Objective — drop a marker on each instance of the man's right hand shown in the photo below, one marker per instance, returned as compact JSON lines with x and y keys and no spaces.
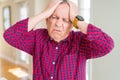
{"x":33,"y":21}
{"x":51,"y":8}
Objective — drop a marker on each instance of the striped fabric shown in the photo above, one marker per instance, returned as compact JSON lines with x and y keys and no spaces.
{"x":59,"y":61}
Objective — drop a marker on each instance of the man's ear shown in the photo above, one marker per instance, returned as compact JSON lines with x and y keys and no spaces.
{"x":46,"y":20}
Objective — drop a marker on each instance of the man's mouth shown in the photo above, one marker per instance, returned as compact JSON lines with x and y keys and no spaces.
{"x":57,"y":30}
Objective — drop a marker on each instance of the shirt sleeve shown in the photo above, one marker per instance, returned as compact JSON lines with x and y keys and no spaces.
{"x":18,"y":36}
{"x":96,"y":43}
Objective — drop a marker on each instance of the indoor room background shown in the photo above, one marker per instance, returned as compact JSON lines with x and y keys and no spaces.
{"x":17,"y":65}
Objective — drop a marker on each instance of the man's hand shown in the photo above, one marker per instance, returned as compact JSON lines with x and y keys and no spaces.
{"x":51,"y":8}
{"x":73,"y":10}
{"x":82,"y":25}
{"x":33,"y":21}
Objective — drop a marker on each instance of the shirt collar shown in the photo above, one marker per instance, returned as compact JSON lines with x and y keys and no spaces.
{"x":68,"y":39}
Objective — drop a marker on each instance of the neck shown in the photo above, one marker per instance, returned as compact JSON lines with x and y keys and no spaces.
{"x":59,"y":39}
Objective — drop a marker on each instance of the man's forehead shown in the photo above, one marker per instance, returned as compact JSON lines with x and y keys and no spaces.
{"x":62,"y":9}
{"x":63,"y":6}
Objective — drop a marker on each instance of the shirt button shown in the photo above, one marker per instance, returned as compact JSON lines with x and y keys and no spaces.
{"x":56,"y":47}
{"x":51,"y":77}
{"x":53,"y":63}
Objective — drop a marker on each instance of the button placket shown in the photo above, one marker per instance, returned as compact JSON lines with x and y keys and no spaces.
{"x":54,"y":62}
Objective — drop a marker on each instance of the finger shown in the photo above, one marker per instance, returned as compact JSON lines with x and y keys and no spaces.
{"x":51,"y":7}
{"x":55,"y":2}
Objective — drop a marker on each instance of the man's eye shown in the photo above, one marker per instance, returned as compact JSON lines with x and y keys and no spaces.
{"x":66,"y":20}
{"x":54,"y":17}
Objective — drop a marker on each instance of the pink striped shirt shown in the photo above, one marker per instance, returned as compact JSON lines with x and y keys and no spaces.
{"x":59,"y":61}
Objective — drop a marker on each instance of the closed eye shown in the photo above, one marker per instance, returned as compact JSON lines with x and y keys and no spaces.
{"x":66,"y":20}
{"x":54,"y":17}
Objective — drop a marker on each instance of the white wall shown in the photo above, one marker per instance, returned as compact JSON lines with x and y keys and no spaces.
{"x":106,"y":15}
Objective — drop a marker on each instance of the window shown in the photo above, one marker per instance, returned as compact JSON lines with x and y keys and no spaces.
{"x":85,"y":9}
{"x":23,"y":12}
{"x":6,"y":17}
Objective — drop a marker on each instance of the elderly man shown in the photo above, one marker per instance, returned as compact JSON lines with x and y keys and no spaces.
{"x":58,"y":52}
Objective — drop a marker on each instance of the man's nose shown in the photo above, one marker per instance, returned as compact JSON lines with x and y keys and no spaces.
{"x":59,"y":23}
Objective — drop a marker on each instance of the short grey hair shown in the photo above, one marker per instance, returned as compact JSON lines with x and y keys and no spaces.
{"x":64,"y":0}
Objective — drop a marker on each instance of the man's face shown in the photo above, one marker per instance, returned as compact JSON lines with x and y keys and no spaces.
{"x":59,"y":25}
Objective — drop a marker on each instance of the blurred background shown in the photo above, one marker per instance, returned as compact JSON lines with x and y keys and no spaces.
{"x":17,"y":65}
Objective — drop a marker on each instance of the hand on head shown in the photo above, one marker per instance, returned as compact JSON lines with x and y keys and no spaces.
{"x":73,"y":10}
{"x":51,"y":8}
{"x":53,"y":5}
